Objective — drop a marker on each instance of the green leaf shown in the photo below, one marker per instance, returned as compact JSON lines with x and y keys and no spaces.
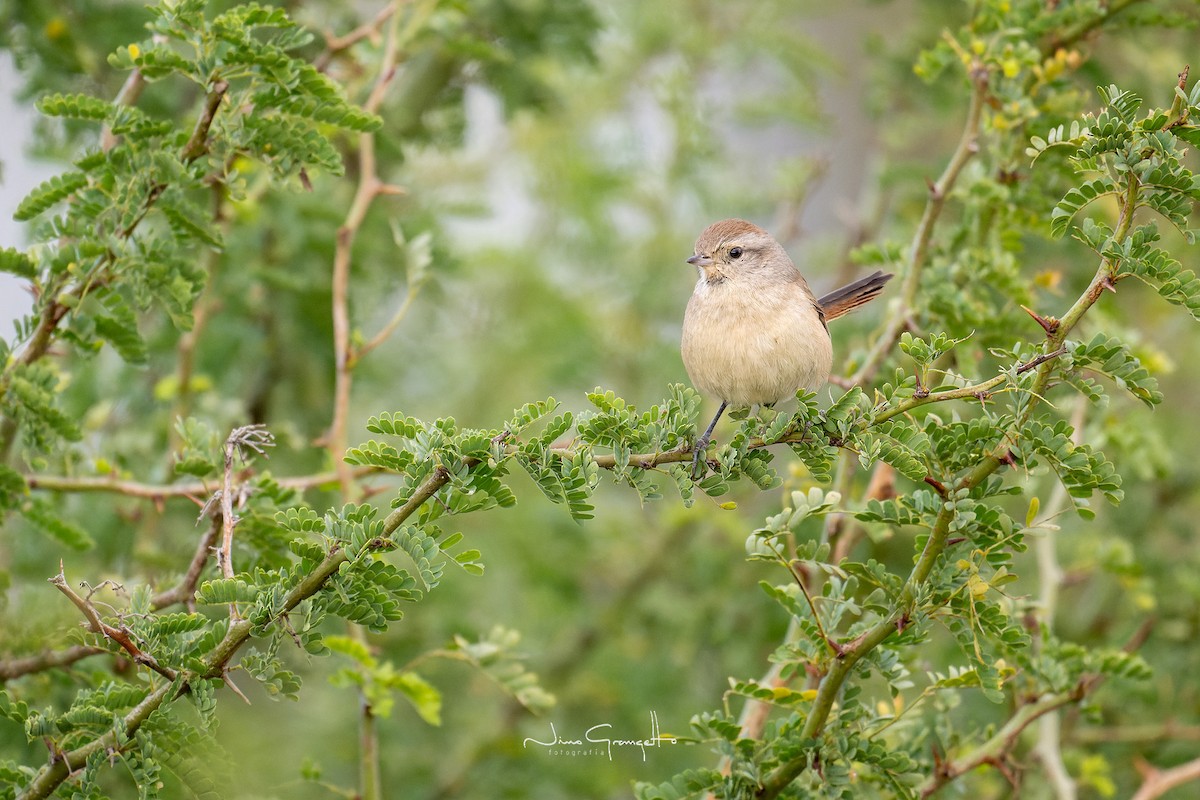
{"x":423,"y":695}
{"x":49,"y":193}
{"x":223,"y":591}
{"x":1110,"y":357}
{"x":117,"y":325}
{"x":1074,"y":200}
{"x":495,"y":656}
{"x":15,"y":262}
{"x":47,"y":520}
{"x":75,"y":106}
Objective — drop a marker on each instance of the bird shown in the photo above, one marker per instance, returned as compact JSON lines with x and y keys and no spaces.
{"x":753,"y":332}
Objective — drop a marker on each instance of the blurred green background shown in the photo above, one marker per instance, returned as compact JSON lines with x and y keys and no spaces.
{"x":557,"y":169}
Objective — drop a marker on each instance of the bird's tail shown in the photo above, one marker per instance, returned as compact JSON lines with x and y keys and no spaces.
{"x":846,"y":299}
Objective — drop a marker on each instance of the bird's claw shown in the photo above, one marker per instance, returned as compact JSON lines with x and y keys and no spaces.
{"x":699,"y":462}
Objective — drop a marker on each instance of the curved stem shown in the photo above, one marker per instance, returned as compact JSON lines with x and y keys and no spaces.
{"x":903,"y":309}
{"x":905,"y":606}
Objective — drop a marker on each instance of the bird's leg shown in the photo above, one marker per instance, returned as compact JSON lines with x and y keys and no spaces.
{"x":702,"y":443}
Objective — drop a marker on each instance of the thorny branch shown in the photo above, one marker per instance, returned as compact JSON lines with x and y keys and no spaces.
{"x":96,"y":625}
{"x":248,"y":438}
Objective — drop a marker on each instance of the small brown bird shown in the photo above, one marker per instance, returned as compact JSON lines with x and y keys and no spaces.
{"x":754,"y":333}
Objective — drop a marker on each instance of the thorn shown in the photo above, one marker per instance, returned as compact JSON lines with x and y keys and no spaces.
{"x":953,"y":540}
{"x":233,"y":686}
{"x":390,"y":189}
{"x":921,"y":391}
{"x":1183,"y":76}
{"x":1049,"y":324}
{"x":1007,"y":458}
{"x":934,"y":191}
{"x":1107,"y":283}
{"x":938,"y":486}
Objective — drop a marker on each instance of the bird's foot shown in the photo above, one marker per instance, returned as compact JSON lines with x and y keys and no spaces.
{"x":699,"y":463}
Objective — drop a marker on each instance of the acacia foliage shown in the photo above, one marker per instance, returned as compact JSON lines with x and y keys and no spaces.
{"x":960,"y":408}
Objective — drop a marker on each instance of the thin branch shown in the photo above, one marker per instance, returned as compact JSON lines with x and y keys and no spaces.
{"x":369,"y":187}
{"x":14,"y":668}
{"x":387,"y":330}
{"x":1050,"y":576}
{"x":131,"y":90}
{"x":197,"y":143}
{"x":1158,"y":782}
{"x":159,"y":492}
{"x":118,"y":635}
{"x":1073,"y":35}
{"x":240,"y":440}
{"x":184,"y":592}
{"x":906,"y":606}
{"x":1138,"y":734}
{"x":904,"y":308}
{"x":336,"y":45}
{"x":1002,"y":743}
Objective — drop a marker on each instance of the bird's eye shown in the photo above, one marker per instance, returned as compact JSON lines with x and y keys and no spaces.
{"x":735,"y":252}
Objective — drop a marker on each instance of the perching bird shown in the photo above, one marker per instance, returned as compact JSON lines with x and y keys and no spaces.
{"x":754,"y":333}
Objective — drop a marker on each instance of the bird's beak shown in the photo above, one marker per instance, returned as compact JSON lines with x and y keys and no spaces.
{"x":700,"y":261}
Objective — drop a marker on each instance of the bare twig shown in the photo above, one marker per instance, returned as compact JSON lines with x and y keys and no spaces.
{"x":1156,"y":782}
{"x":159,"y":492}
{"x":184,"y":592}
{"x":369,"y":187}
{"x":1050,"y":575}
{"x":335,"y":45}
{"x":97,"y":625}
{"x":387,"y":330}
{"x":131,"y":90}
{"x":1140,"y":734}
{"x":241,"y":440}
{"x":902,"y":310}
{"x":999,"y":745}
{"x":26,"y":665}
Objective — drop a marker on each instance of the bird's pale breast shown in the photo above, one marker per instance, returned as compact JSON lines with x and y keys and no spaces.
{"x":753,"y":348}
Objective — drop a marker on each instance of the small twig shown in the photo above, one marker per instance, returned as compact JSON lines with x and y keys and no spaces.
{"x":131,"y":90}
{"x":1042,"y":359}
{"x":901,"y":311}
{"x":234,"y":687}
{"x":1050,"y":577}
{"x":160,"y":492}
{"x":370,"y":186}
{"x":999,"y":745}
{"x":830,"y":642}
{"x":184,"y":592}
{"x":254,"y":438}
{"x":1138,"y":734}
{"x":197,"y":143}
{"x":335,"y":45}
{"x":938,"y":486}
{"x":97,"y":625}
{"x":387,"y":330}
{"x":27,"y":665}
{"x":1156,"y":782}
{"x":1179,"y":112}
